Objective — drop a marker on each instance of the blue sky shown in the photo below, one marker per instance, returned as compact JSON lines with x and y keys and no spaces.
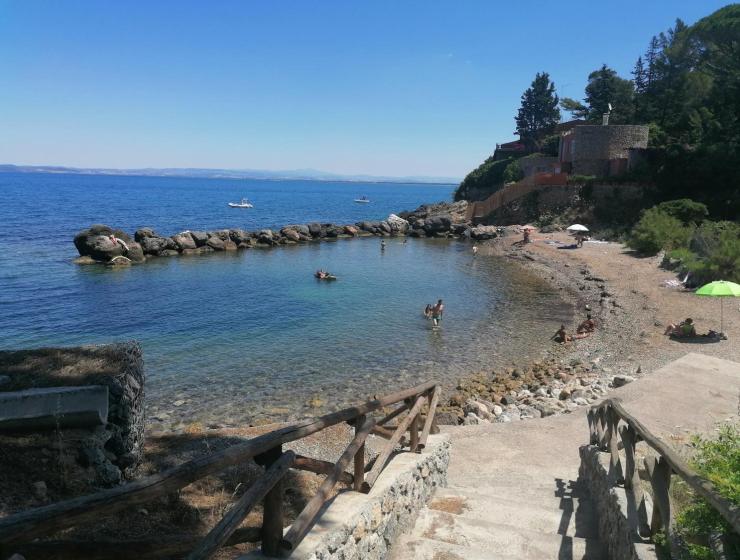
{"x":381,"y":87}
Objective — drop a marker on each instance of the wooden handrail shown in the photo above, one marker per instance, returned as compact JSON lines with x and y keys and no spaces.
{"x":704,"y":488}
{"x":38,"y":522}
{"x":231,"y":521}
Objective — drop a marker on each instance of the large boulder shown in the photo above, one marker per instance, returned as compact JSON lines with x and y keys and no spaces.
{"x":238,"y":236}
{"x":397,"y":224}
{"x":102,"y":243}
{"x":154,"y":245}
{"x":135,"y":252}
{"x":143,"y":233}
{"x":351,"y":230}
{"x":291,"y":234}
{"x":483,"y":232}
{"x":300,"y":228}
{"x":314,"y":229}
{"x":184,"y":241}
{"x":438,"y":224}
{"x":215,"y":243}
{"x":200,"y":238}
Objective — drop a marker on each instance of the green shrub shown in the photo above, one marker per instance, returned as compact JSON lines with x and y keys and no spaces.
{"x":488,"y":177}
{"x":513,"y":172}
{"x":685,"y":209}
{"x":717,"y":460}
{"x":657,"y":230}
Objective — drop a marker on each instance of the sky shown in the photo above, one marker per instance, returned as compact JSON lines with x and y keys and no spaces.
{"x":374,"y":87}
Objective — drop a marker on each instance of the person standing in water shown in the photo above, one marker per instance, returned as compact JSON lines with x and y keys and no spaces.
{"x":475,"y":249}
{"x":437,"y":311}
{"x":382,"y":245}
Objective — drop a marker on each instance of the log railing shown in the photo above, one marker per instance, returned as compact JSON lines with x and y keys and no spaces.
{"x":617,"y":432}
{"x":417,"y":407}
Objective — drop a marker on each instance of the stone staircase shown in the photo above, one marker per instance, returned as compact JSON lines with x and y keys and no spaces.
{"x":513,"y":489}
{"x":533,"y":508}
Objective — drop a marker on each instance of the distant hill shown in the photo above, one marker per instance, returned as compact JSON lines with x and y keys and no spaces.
{"x":294,"y":174}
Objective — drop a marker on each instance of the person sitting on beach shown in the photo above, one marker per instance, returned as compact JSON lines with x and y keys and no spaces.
{"x":437,"y":311}
{"x":684,"y":329}
{"x":587,"y":326}
{"x":428,"y":311}
{"x":561,"y":336}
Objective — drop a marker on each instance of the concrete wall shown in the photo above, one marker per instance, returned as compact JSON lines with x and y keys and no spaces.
{"x":617,"y":528}
{"x":359,"y":526}
{"x":593,"y":146}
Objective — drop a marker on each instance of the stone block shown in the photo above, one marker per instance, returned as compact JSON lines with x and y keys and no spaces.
{"x":35,"y":410}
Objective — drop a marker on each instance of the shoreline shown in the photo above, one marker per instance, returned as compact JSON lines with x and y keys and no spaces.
{"x":631,"y":309}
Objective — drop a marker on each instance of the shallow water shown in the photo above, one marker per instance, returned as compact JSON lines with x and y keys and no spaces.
{"x":252,"y":336}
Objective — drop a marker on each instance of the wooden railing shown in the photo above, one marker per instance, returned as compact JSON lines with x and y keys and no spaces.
{"x":418,"y":403}
{"x":612,"y":429}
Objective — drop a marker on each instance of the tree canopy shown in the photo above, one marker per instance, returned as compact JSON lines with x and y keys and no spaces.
{"x":539,"y":112}
{"x":604,"y":88}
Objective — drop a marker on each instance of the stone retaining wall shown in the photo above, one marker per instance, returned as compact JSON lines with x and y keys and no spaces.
{"x":617,"y":529}
{"x":358,"y":526}
{"x":112,"y":450}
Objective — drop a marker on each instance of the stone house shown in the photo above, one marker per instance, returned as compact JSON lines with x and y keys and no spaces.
{"x":601,"y":150}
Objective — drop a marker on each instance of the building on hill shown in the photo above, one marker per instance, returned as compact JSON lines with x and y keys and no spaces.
{"x":601,"y":150}
{"x":515,"y":148}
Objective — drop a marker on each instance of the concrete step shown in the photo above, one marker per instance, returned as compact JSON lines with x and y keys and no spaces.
{"x":419,"y":548}
{"x":549,"y":494}
{"x":504,"y":539}
{"x":573,"y":517}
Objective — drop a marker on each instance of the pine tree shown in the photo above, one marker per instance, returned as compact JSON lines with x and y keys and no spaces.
{"x":539,"y":112}
{"x":639,"y":76}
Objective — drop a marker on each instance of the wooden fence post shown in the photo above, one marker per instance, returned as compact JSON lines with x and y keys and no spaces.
{"x":359,"y":466}
{"x":272,"y":518}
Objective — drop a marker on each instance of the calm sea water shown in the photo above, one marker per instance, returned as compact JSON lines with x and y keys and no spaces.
{"x":252,"y":336}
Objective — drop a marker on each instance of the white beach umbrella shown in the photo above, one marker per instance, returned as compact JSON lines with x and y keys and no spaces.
{"x":577,"y":227}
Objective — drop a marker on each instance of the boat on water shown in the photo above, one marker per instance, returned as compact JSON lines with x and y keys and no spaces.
{"x":362,"y":200}
{"x":244,"y":203}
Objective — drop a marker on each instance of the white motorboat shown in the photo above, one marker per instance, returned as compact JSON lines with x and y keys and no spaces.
{"x":362,"y":200}
{"x":244,"y":203}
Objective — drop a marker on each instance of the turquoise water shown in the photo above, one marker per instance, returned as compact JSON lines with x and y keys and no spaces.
{"x":252,"y":336}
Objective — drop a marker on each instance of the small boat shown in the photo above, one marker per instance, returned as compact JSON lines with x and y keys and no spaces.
{"x":362,"y":200}
{"x":244,"y":203}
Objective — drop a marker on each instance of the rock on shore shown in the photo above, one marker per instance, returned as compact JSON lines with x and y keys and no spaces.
{"x":104,"y":244}
{"x":542,"y":389}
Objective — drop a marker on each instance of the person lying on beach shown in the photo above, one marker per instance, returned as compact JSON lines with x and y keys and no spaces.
{"x":561,"y":336}
{"x":587,"y":326}
{"x":684,"y":329}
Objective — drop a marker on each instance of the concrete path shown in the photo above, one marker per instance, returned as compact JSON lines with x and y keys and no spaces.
{"x":513,"y":490}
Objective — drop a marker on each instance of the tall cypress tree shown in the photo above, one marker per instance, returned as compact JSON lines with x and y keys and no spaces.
{"x":539,"y":112}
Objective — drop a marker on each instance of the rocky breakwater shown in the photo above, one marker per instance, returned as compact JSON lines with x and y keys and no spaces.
{"x":545,"y":388}
{"x":113,"y":247}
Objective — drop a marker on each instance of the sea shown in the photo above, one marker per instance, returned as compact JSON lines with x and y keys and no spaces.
{"x":251,"y":337}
